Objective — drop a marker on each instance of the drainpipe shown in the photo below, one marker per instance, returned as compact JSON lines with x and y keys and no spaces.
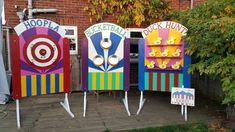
{"x":31,"y":10}
{"x":191,"y":4}
{"x":20,"y":14}
{"x":43,"y":10}
{"x":8,"y":49}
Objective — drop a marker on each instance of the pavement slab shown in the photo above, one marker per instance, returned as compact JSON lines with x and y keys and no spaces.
{"x":105,"y":112}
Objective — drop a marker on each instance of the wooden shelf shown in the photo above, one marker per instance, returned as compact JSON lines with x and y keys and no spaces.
{"x":161,"y":45}
{"x":161,"y":57}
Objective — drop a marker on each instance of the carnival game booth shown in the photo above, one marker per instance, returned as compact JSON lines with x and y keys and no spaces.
{"x":162,"y":60}
{"x":105,"y":60}
{"x":40,"y":61}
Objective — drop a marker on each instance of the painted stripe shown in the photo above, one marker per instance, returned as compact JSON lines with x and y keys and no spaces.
{"x":102,"y":81}
{"x":163,"y":82}
{"x":84,"y":64}
{"x":171,"y":81}
{"x":90,"y":81}
{"x":150,"y":81}
{"x":39,"y":85}
{"x":176,"y":76}
{"x":96,"y":38}
{"x":127,"y":64}
{"x":43,"y":82}
{"x":178,"y":37}
{"x":48,"y":81}
{"x":106,"y":81}
{"x":181,"y":80}
{"x":116,"y":41}
{"x":146,"y":79}
{"x":61,"y":82}
{"x":118,"y":81}
{"x":186,"y":75}
{"x":28,"y":85}
{"x":93,"y":81}
{"x":52,"y":81}
{"x":113,"y":80}
{"x":16,"y":68}
{"x":57,"y":81}
{"x":158,"y":81}
{"x":97,"y":80}
{"x":109,"y":81}
{"x":33,"y":85}
{"x":66,"y":65}
{"x":121,"y":84}
{"x":141,"y":67}
{"x":167,"y":82}
{"x":154,"y":81}
{"x":150,"y":40}
{"x":23,"y":86}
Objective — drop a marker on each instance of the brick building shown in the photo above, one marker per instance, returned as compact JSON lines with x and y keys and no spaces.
{"x":71,"y":13}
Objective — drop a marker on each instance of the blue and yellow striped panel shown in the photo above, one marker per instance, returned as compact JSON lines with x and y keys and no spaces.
{"x":33,"y":85}
{"x":105,"y":81}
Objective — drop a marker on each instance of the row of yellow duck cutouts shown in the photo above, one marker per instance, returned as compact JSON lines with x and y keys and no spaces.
{"x":175,"y":66}
{"x":154,"y":53}
{"x":170,"y":41}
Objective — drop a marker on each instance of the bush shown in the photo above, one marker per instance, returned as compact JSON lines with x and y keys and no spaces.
{"x":211,"y":39}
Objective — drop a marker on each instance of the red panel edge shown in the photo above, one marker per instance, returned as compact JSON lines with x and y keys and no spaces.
{"x":158,"y":81}
{"x":66,"y":65}
{"x":176,"y":80}
{"x":15,"y":61}
{"x":150,"y":81}
{"x":167,"y":82}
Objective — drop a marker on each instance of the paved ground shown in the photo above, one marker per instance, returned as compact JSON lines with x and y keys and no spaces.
{"x":45,"y":114}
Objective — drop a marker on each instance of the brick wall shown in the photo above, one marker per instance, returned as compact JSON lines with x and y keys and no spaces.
{"x":183,"y":4}
{"x":71,"y":13}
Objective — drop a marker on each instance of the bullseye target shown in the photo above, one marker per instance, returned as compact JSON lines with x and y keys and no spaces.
{"x":42,"y":52}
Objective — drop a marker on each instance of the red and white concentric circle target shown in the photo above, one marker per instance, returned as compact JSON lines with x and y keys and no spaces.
{"x":42,"y":52}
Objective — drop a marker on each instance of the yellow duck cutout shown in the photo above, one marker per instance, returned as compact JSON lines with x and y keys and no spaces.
{"x":164,"y":53}
{"x":152,"y":53}
{"x":176,"y":53}
{"x":171,"y":40}
{"x":151,"y":64}
{"x":163,"y":65}
{"x":158,"y":41}
{"x":176,"y":65}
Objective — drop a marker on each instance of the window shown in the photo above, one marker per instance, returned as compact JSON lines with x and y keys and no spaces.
{"x":71,"y":34}
{"x":134,"y":34}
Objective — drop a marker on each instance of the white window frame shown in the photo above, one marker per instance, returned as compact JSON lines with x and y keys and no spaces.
{"x":129,"y":30}
{"x":74,"y":36}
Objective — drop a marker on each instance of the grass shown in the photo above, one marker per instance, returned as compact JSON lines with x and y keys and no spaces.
{"x":194,"y":127}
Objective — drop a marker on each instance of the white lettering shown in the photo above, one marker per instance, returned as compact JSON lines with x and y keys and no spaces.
{"x":104,"y":27}
{"x":41,"y":23}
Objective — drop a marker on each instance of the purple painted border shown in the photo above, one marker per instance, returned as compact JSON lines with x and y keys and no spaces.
{"x":84,"y":64}
{"x":126,"y":64}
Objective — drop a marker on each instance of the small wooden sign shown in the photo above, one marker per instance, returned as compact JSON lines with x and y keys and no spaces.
{"x":183,"y":96}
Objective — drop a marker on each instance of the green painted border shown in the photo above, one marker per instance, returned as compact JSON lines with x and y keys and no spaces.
{"x":105,"y":81}
{"x":121,"y":81}
{"x":146,"y":81}
{"x":172,"y":77}
{"x":90,"y":81}
{"x":163,"y":81}
{"x":181,"y":79}
{"x":113,"y":81}
{"x":154,"y":81}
